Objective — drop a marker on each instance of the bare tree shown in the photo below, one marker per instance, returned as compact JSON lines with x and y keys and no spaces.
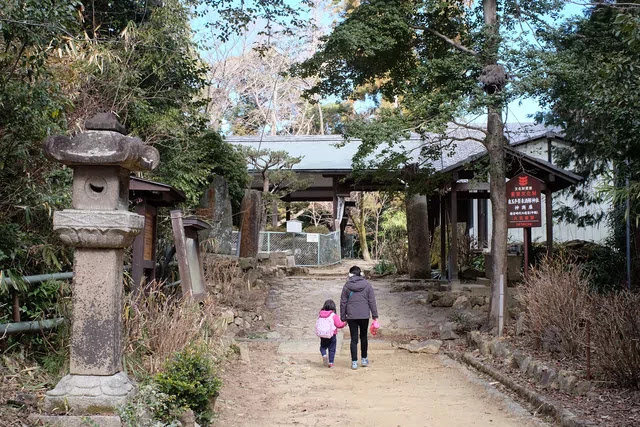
{"x":250,"y":88}
{"x":376,"y":202}
{"x":319,"y":213}
{"x":278,"y":177}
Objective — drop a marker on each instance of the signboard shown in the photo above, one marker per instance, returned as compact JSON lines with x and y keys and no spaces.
{"x":294,"y":226}
{"x":524,"y":205}
{"x":313,"y":238}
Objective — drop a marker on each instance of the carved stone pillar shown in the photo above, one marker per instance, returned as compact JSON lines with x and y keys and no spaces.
{"x":99,"y":226}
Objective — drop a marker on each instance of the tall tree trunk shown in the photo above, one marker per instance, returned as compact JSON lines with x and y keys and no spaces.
{"x":495,"y":143}
{"x":498,"y":188}
{"x":360,"y":225}
{"x":265,"y":202}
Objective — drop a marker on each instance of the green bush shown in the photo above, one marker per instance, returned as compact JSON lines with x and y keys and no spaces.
{"x":190,"y":378}
{"x":384,"y":267}
{"x":321,"y":229}
{"x":149,"y":408}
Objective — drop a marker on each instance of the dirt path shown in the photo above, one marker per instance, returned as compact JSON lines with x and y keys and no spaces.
{"x":284,"y":382}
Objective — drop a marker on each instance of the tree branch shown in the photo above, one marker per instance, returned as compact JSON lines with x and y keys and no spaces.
{"x":452,"y":42}
{"x":470,"y":127}
{"x":464,"y":139}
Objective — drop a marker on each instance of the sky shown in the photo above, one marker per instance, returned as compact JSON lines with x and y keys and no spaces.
{"x":520,"y":110}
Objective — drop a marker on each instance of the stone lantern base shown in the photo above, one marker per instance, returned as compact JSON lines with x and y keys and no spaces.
{"x":90,"y":394}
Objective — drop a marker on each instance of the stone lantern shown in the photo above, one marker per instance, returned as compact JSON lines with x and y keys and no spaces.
{"x":99,"y":227}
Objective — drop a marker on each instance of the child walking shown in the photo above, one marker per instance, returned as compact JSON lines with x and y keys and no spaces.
{"x":327,"y":327}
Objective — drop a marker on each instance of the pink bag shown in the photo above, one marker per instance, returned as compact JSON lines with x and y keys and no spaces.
{"x":374,"y":327}
{"x":325,"y":327}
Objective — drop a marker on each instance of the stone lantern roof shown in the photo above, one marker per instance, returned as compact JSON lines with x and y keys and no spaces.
{"x":104,"y":143}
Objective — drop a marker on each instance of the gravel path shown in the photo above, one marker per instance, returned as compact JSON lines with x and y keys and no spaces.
{"x":284,"y":382}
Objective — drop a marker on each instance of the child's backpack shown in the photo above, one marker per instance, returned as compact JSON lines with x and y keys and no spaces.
{"x":325,"y":327}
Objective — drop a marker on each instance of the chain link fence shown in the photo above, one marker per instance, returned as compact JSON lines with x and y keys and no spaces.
{"x":309,"y":249}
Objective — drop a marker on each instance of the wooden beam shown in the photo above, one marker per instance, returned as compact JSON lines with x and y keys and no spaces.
{"x":473,"y":186}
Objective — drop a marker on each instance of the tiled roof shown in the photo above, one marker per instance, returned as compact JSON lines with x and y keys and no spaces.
{"x":321,"y":152}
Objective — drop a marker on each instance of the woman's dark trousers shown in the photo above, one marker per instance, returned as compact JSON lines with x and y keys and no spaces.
{"x":362,"y":325}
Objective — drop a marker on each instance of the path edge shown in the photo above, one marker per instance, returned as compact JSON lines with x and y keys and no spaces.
{"x":545,"y":405}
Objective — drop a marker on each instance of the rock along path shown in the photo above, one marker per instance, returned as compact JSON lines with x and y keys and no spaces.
{"x":284,"y":383}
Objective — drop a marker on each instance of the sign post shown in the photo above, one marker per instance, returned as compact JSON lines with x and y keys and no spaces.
{"x":524,"y":208}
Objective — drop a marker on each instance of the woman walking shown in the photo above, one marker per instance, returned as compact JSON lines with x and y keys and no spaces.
{"x":357,"y":303}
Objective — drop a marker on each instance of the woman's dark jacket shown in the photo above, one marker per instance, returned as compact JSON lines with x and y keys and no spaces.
{"x":357,"y":299}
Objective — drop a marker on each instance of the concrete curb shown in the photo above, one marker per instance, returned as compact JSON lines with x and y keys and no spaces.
{"x":545,"y":405}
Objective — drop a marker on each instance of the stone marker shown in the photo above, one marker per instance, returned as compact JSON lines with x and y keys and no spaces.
{"x":215,"y":206}
{"x":419,"y":259}
{"x":99,"y":227}
{"x":250,"y":227}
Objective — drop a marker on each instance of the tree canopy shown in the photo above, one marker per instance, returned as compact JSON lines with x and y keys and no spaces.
{"x":442,"y":62}
{"x":63,"y":61}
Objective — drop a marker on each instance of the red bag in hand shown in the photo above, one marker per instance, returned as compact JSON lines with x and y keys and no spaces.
{"x":374,"y":327}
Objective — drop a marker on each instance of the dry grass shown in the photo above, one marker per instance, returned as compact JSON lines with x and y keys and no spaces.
{"x":616,"y":337}
{"x":556,"y":299}
{"x":158,"y":324}
{"x":558,"y":302}
{"x":229,"y":284}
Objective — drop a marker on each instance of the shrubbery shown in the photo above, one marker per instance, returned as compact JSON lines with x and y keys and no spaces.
{"x":188,"y":382}
{"x":190,"y":379}
{"x":556,"y":299}
{"x":150,"y":408}
{"x":384,"y":267}
{"x":615,"y":338}
{"x":395,"y":244}
{"x":558,"y":302}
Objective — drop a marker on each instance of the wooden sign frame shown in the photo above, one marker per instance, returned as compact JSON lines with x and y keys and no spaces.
{"x":524,"y":202}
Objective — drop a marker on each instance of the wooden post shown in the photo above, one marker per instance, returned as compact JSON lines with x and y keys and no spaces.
{"x":454,"y":232}
{"x":288,"y":214}
{"x":549,"y":216}
{"x":443,"y":237}
{"x":274,"y":213}
{"x":143,"y":261}
{"x":527,"y":245}
{"x":137,"y":258}
{"x":335,"y":203}
{"x":482,"y":223}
